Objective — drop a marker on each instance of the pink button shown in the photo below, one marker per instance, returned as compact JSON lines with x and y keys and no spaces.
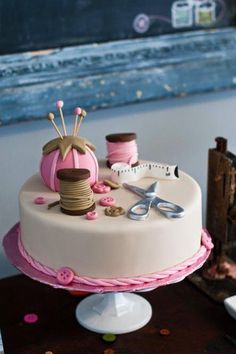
{"x":40,"y":200}
{"x":91,"y":215}
{"x":31,"y":318}
{"x":65,"y":276}
{"x":107,"y":201}
{"x":100,"y":187}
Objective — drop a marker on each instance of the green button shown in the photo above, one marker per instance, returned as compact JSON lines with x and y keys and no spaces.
{"x":109,"y":337}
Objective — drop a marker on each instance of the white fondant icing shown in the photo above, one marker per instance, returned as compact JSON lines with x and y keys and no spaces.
{"x":112,"y":247}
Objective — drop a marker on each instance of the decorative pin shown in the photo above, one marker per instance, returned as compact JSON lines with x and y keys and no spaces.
{"x":59,"y":105}
{"x":81,"y":117}
{"x":51,"y":118}
{"x":77,"y":112}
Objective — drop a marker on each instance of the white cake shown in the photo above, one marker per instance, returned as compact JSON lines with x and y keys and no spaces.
{"x":111,"y":247}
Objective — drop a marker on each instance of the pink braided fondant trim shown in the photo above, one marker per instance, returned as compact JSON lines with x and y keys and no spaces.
{"x":170,"y":272}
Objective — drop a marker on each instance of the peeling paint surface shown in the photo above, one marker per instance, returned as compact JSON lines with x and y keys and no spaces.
{"x":139,"y":93}
{"x":116,"y":73}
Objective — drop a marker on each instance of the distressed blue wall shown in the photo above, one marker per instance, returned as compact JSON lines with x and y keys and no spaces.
{"x":116,"y":73}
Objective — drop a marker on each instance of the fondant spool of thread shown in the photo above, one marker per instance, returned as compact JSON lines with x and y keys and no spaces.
{"x":122,"y":147}
{"x":76,"y":196}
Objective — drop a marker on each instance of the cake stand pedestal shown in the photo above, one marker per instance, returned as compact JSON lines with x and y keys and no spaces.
{"x":112,"y":308}
{"x":113,"y":312}
{"x":117,"y":312}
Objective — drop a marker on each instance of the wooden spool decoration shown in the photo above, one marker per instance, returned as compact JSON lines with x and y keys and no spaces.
{"x":76,"y":196}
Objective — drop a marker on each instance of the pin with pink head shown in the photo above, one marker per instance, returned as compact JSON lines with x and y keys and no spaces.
{"x":81,"y":113}
{"x":77,"y":112}
{"x":59,"y":105}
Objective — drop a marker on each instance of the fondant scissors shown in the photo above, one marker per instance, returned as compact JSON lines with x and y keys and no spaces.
{"x":140,"y":210}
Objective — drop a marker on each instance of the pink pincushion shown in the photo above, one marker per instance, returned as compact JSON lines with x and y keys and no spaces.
{"x":53,"y":162}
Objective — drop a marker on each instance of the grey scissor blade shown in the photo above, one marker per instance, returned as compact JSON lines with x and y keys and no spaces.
{"x":151,"y":191}
{"x":136,"y":190}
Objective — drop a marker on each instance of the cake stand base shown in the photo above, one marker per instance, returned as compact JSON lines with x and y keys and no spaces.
{"x":113,"y":312}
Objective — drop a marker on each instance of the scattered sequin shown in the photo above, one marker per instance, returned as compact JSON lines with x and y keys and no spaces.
{"x":31,"y":318}
{"x":164,"y":332}
{"x":109,"y":351}
{"x":109,"y":337}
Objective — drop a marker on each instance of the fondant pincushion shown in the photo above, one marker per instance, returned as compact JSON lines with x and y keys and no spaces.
{"x":67,"y":151}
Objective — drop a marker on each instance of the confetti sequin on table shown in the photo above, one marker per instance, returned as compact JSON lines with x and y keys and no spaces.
{"x":164,"y":332}
{"x":109,"y":337}
{"x":31,"y":318}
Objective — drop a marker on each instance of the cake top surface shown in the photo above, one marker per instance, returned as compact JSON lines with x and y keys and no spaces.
{"x":183,"y":191}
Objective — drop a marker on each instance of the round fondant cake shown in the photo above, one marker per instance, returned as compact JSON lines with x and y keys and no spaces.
{"x":62,"y":235}
{"x":110,"y":247}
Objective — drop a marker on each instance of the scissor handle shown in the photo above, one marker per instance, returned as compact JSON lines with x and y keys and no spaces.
{"x":140,"y":210}
{"x":168,"y":209}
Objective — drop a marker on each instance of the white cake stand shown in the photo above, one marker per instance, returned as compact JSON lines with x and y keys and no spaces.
{"x":113,"y":312}
{"x":112,"y":309}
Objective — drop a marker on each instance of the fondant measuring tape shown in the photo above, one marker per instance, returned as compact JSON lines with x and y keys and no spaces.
{"x":122,"y":172}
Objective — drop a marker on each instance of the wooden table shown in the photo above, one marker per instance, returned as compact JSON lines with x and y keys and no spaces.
{"x":197,"y":324}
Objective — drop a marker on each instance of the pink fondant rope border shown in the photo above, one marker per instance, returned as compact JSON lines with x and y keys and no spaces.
{"x":202,"y":254}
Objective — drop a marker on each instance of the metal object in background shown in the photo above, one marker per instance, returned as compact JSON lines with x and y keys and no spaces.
{"x":221,"y":209}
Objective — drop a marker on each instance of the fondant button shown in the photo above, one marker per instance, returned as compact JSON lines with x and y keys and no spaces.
{"x":91,"y":215}
{"x":107,"y":201}
{"x":65,"y":276}
{"x":40,"y":200}
{"x":100,"y":187}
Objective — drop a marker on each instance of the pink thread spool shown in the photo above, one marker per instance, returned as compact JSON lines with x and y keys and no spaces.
{"x":122,"y":147}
